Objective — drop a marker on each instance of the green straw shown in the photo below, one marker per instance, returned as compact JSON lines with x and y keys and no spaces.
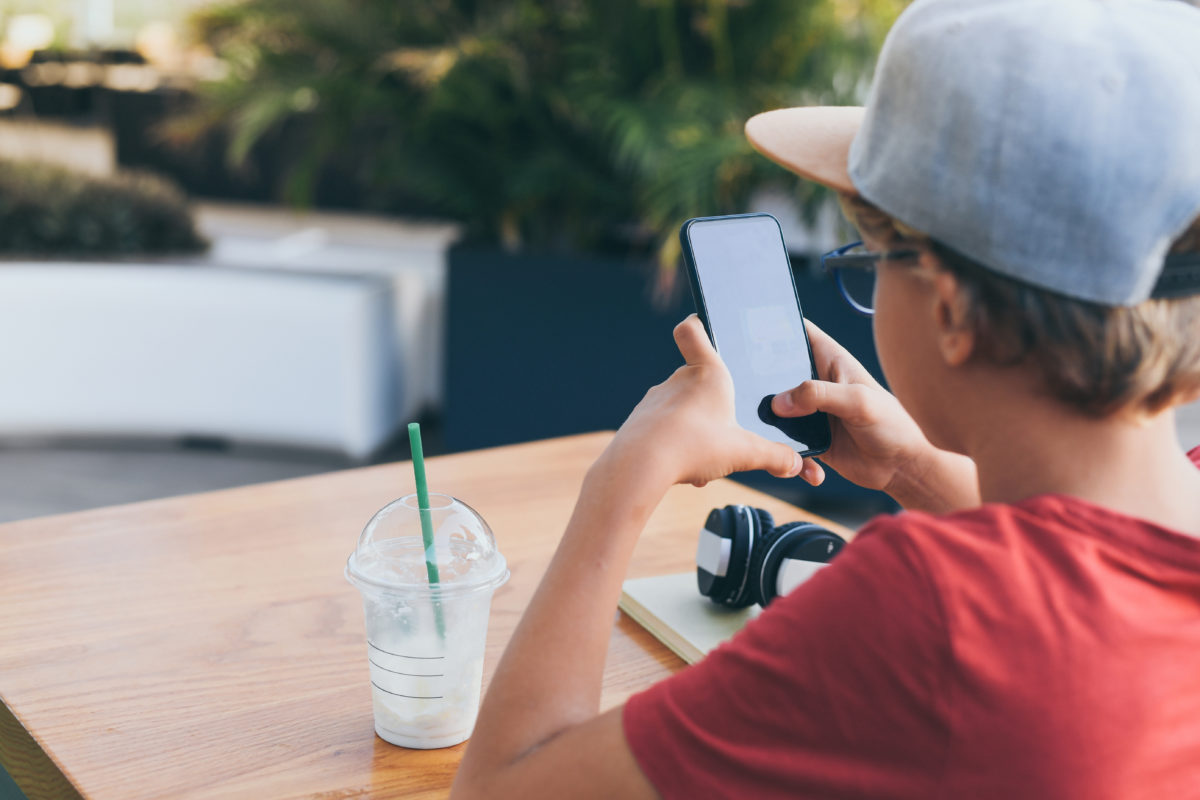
{"x":418,"y":460}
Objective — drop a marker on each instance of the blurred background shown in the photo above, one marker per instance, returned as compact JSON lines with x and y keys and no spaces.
{"x":245,"y":241}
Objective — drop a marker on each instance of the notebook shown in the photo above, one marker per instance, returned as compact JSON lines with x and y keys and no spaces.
{"x":672,"y":609}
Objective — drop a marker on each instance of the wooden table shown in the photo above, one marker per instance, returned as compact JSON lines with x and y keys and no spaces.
{"x":209,"y":646}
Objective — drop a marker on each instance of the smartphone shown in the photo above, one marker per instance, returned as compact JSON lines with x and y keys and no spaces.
{"x":746,"y":297}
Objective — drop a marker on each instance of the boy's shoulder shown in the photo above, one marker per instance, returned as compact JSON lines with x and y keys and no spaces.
{"x":997,"y":548}
{"x":1009,"y":524}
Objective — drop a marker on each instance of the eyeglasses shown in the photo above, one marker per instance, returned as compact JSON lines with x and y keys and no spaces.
{"x":853,"y":268}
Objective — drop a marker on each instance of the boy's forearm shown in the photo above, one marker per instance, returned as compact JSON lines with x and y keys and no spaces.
{"x":550,"y":676}
{"x":937,"y":481}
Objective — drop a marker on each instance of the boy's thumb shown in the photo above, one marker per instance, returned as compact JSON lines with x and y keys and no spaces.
{"x":778,"y":459}
{"x":845,"y":400}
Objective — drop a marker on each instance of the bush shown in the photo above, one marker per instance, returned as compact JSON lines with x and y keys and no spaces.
{"x":47,"y":210}
{"x":541,"y":123}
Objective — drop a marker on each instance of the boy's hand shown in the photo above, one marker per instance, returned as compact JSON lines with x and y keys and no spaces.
{"x":684,"y":430}
{"x":874,"y":438}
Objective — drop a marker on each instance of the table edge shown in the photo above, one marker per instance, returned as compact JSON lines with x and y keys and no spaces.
{"x":35,"y":772}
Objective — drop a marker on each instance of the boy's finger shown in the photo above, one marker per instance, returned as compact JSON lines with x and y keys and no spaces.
{"x":817,"y":334}
{"x":825,"y":347}
{"x":693,"y":342}
{"x":778,"y":459}
{"x":848,"y":401}
{"x":813,"y":472}
{"x":830,"y":354}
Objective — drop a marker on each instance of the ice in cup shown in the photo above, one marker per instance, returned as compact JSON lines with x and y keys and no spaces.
{"x":425,"y":641}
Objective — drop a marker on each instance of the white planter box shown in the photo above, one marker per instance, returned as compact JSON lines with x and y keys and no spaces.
{"x":273,"y":357}
{"x":409,"y":253}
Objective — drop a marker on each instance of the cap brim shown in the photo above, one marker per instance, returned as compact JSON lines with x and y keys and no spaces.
{"x":812,"y":142}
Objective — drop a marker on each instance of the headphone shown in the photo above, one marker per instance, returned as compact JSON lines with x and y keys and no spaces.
{"x":743,"y":558}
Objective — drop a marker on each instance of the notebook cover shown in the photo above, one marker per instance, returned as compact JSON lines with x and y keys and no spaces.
{"x":673,"y":610}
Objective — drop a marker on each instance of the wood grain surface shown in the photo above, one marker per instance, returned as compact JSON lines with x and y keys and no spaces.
{"x":209,"y":645}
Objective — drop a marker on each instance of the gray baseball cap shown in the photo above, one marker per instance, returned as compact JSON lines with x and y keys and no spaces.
{"x":1055,"y":142}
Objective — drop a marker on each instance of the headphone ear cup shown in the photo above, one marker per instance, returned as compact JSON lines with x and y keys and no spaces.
{"x":755,"y":567}
{"x":755,"y":525}
{"x":731,"y":537}
{"x":798,"y":541}
{"x":740,"y":590}
{"x":721,"y":555}
{"x":764,"y":519}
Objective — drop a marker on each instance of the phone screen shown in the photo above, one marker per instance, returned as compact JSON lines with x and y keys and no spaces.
{"x":746,"y":296}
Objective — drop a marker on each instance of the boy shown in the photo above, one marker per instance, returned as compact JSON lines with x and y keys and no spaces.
{"x":1030,"y":627}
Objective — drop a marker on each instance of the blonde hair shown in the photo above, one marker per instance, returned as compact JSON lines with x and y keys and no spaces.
{"x":1097,"y":359}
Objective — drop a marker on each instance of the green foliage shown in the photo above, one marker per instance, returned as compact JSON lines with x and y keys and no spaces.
{"x":47,"y":210}
{"x":537,"y":122}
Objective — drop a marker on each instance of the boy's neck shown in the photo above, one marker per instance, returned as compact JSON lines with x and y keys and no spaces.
{"x":1026,"y":445}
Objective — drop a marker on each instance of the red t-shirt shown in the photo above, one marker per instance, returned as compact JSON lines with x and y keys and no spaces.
{"x":1047,"y":649}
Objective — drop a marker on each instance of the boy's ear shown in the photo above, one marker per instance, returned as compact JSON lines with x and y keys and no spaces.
{"x":953,"y":328}
{"x":1188,"y":397}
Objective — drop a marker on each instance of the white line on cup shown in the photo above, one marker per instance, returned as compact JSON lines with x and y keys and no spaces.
{"x":408,"y":674}
{"x":409,"y":696}
{"x":401,"y":655}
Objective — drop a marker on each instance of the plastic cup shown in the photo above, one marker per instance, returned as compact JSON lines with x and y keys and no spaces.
{"x":425,"y":642}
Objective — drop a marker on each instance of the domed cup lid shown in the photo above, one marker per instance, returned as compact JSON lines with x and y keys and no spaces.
{"x":391,"y":556}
